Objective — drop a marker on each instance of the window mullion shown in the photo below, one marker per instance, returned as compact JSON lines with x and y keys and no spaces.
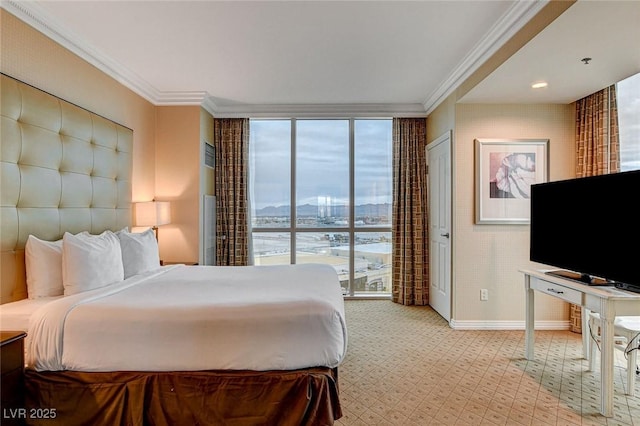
{"x":352,"y":214}
{"x":371,"y":259}
{"x":293,"y":222}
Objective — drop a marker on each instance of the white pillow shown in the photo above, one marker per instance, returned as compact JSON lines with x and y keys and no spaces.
{"x":139,"y":252}
{"x":90,"y":261}
{"x":43,"y":262}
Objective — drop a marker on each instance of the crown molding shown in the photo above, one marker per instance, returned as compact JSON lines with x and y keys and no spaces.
{"x":180,"y":98}
{"x":320,"y":110}
{"x":35,"y":16}
{"x":209,"y":105}
{"x":509,"y":24}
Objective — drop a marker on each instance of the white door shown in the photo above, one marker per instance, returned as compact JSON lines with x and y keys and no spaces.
{"x":439,"y":157}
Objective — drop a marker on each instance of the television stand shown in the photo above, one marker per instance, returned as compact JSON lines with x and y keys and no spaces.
{"x":575,"y":276}
{"x":608,"y":301}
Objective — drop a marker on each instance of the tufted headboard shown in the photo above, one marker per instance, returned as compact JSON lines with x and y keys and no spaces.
{"x":62,"y":168}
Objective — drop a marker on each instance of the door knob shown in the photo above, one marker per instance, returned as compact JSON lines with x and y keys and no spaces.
{"x":446,"y":235}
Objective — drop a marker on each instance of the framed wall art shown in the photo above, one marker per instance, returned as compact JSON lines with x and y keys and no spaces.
{"x":505,"y":171}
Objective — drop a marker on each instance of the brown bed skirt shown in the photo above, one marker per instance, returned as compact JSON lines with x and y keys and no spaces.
{"x":300,"y":397}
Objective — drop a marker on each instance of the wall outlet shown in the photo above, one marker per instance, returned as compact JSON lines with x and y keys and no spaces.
{"x":484,"y":294}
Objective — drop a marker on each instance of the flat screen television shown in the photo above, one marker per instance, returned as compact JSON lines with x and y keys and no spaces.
{"x":589,"y":228}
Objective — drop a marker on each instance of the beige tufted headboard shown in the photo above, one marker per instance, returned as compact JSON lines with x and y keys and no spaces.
{"x":62,"y":168}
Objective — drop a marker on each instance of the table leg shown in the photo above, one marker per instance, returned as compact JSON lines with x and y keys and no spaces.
{"x":631,"y":366}
{"x":607,"y":316}
{"x":529,"y":321}
{"x":586,"y":335}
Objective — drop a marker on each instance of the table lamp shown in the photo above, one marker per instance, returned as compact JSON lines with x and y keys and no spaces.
{"x":153,"y":214}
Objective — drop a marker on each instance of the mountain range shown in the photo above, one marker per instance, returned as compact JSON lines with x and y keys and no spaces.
{"x":310,"y":210}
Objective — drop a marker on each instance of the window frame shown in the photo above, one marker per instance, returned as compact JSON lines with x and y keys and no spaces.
{"x":351,"y":229}
{"x":628,"y":161}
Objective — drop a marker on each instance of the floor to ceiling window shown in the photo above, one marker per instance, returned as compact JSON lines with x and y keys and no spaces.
{"x":320,"y":192}
{"x":628,"y":91}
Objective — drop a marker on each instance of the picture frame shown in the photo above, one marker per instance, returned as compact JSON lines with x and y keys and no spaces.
{"x":505,"y":171}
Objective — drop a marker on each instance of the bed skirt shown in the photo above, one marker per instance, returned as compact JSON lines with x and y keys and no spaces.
{"x":299,"y":397}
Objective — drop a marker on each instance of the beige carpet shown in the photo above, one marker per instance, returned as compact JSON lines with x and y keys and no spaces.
{"x":405,"y":366}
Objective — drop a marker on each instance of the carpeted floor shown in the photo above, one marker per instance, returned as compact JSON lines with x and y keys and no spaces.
{"x":405,"y":366}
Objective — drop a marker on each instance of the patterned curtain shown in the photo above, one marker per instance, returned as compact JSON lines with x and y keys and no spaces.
{"x":597,"y":148}
{"x":231,"y":139}
{"x":410,"y":281}
{"x":597,"y":142}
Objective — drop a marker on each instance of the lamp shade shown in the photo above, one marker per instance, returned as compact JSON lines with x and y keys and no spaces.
{"x":152,"y":213}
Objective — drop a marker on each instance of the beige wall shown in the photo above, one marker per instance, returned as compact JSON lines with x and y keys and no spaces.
{"x":489,"y":256}
{"x":442,"y":119}
{"x":166,"y":140}
{"x":178,"y":180}
{"x":28,"y":55}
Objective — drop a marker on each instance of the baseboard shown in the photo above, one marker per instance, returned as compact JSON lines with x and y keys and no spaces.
{"x":507,"y":325}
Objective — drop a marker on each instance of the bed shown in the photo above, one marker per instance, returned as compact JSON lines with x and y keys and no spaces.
{"x":154,"y":345}
{"x":189,"y":345}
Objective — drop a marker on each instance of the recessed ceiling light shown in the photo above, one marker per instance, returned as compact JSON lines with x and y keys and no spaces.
{"x":539,"y":85}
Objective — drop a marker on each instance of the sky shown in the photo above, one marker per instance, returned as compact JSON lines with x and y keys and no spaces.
{"x":322,"y":161}
{"x":628,"y":92}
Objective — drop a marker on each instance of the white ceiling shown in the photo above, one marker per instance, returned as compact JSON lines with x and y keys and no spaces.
{"x":608,"y":32}
{"x":402,"y":56}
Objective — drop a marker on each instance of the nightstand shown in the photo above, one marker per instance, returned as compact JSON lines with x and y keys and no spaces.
{"x":163,"y":263}
{"x":12,"y":366}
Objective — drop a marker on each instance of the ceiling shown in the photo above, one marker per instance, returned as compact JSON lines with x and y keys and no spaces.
{"x":390,"y":56}
{"x":608,"y":32}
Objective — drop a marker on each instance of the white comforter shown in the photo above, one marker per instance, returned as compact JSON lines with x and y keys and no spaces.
{"x":189,"y":318}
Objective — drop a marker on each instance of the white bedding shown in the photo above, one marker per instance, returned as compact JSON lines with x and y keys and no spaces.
{"x":15,"y":316}
{"x":190,"y":318}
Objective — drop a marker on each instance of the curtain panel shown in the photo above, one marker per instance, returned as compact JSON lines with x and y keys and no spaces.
{"x":597,"y":149}
{"x":597,"y":140}
{"x":231,"y":139}
{"x":410,"y":280}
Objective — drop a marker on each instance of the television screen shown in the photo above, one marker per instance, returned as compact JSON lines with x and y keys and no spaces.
{"x":590,"y":226}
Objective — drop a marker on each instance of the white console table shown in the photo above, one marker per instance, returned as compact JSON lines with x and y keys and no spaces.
{"x":608,"y":301}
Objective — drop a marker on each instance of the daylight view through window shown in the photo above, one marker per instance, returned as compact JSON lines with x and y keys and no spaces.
{"x":320,"y":192}
{"x":629,"y":121}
